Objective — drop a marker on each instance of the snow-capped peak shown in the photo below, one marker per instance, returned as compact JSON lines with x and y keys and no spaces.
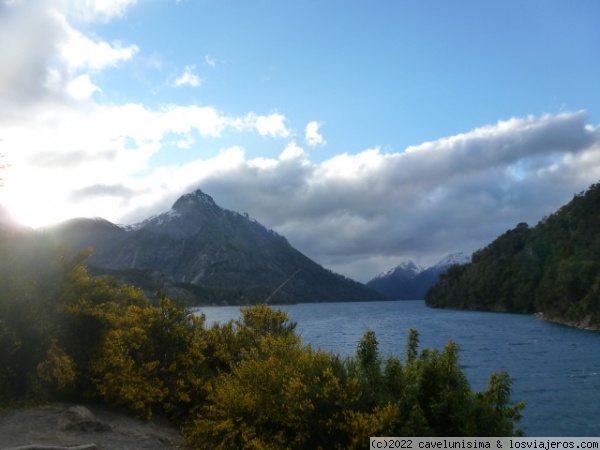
{"x":453,"y":258}
{"x":411,"y":265}
{"x":406,"y":268}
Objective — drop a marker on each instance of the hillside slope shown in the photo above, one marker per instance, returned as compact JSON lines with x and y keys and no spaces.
{"x":552,"y":269}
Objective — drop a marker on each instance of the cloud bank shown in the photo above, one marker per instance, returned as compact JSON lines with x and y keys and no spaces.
{"x":361,"y":213}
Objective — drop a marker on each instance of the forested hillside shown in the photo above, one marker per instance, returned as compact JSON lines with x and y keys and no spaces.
{"x":552,"y":269}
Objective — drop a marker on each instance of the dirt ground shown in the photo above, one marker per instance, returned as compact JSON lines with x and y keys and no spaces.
{"x":62,"y":424}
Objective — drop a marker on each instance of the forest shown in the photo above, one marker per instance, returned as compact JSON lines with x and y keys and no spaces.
{"x":250,"y":383}
{"x":552,"y":269}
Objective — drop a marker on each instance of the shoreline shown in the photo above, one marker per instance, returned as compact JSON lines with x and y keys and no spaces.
{"x":582,"y":325}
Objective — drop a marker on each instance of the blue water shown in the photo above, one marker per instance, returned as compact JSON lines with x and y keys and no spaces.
{"x":556,"y":369}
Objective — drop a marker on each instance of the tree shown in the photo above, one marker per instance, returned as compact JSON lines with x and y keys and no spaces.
{"x":141,"y":357}
{"x":428,"y":395}
{"x":277,"y":393}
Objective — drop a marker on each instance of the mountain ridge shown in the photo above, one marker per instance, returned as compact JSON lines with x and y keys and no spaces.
{"x":405,"y":269}
{"x":199,"y":246}
{"x":410,"y":281}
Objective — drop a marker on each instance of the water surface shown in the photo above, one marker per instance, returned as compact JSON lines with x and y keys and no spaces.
{"x":553,"y":367}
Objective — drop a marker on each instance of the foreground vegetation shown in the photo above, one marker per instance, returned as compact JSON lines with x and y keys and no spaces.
{"x":552,"y":268}
{"x":250,"y":383}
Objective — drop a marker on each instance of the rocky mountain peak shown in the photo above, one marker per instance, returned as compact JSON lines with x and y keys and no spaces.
{"x":198,"y":250}
{"x":192,"y":200}
{"x":412,"y":266}
{"x":406,"y":269}
{"x":186,"y":217}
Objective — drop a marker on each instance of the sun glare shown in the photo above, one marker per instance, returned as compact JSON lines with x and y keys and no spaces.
{"x":38,"y":216}
{"x":34,"y":209}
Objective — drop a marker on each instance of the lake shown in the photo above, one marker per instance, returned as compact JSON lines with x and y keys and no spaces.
{"x":556,"y":369}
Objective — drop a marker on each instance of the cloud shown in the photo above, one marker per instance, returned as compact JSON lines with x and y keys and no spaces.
{"x":186,"y":142}
{"x":67,"y":159}
{"x":272,"y":125}
{"x":29,"y":35}
{"x":80,"y":52}
{"x":210,"y":61}
{"x":188,"y":78}
{"x":89,"y":193}
{"x":82,"y":87}
{"x":312,"y":136}
{"x":293,"y":152}
{"x":46,"y":61}
{"x":358,"y":212}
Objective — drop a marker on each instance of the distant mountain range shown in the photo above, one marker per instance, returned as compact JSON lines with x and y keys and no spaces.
{"x":205,"y":254}
{"x":410,"y":281}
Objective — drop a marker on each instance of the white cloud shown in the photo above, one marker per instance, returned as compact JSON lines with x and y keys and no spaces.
{"x":66,"y":150}
{"x":188,"y":78}
{"x":312,"y":136}
{"x":291,"y":152}
{"x":272,"y":125}
{"x":82,"y":87}
{"x":186,"y":142}
{"x":82,"y":53}
{"x":204,"y":119}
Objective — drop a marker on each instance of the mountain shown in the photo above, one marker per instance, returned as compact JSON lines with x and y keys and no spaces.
{"x":403,"y":271}
{"x":450,"y":260}
{"x":397,"y":283}
{"x":206,"y":254}
{"x":410,"y":281}
{"x":552,"y":269}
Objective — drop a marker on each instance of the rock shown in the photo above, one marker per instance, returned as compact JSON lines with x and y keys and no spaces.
{"x":79,"y":418}
{"x":40,"y":426}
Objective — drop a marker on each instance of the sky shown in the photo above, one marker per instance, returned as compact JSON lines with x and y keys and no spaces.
{"x":366,"y":133}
